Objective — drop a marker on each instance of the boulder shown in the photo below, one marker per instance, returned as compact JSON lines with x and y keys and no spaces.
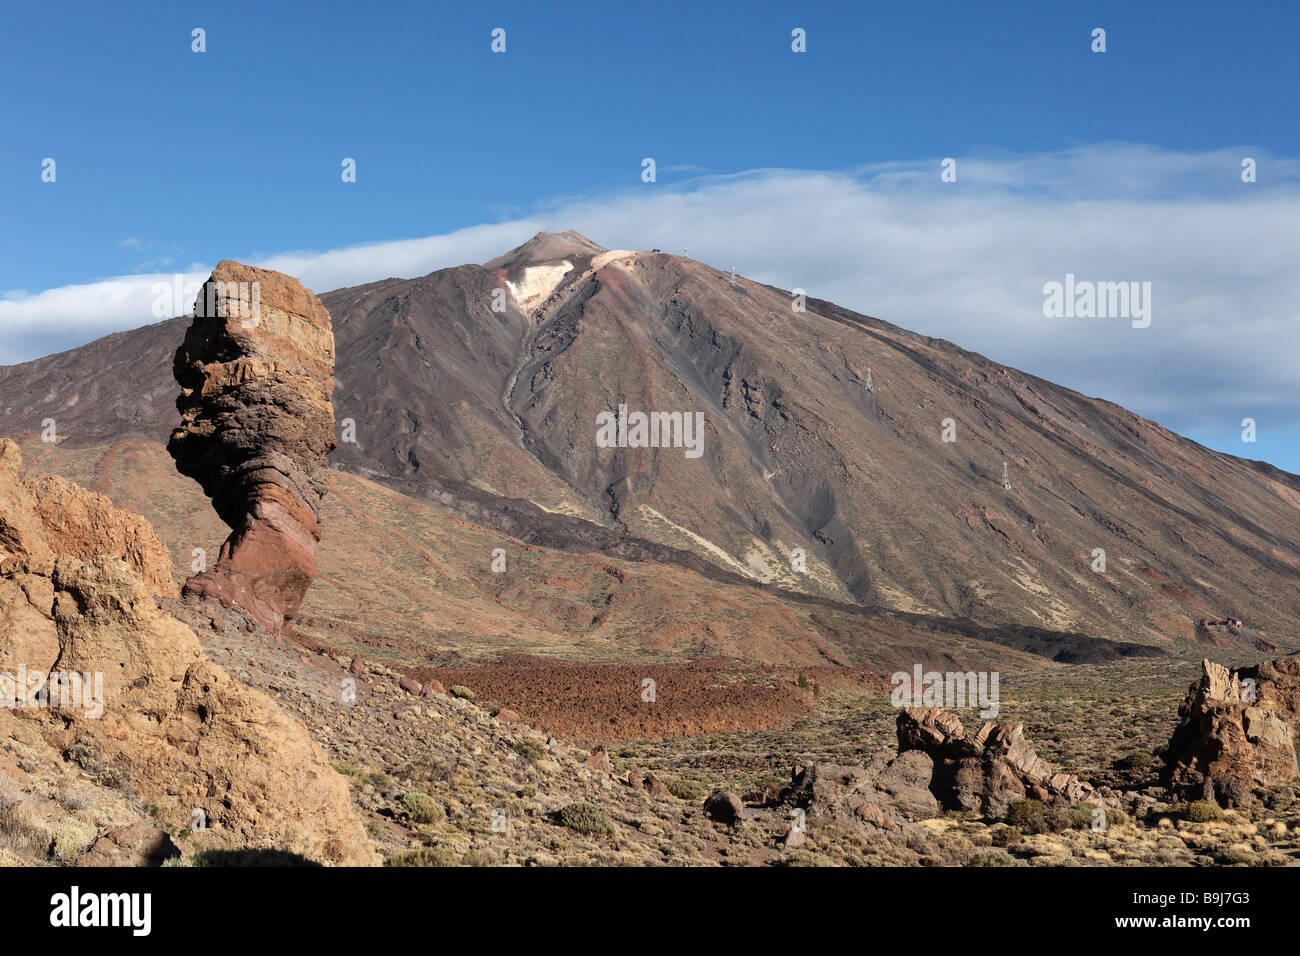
{"x":656,"y":787}
{"x":725,"y":807}
{"x":794,"y":838}
{"x":890,"y":791}
{"x":140,"y":844}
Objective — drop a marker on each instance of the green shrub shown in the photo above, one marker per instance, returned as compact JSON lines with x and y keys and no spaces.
{"x":70,"y":838}
{"x":586,"y":818}
{"x":423,"y":808}
{"x":461,"y":691}
{"x":1202,"y":811}
{"x":425,"y":856}
{"x":1138,"y":760}
{"x":992,"y":858}
{"x":805,"y":858}
{"x":18,"y":832}
{"x":684,"y":788}
{"x":1234,"y":856}
{"x":531,"y":750}
{"x":1027,"y":816}
{"x":1004,"y":836}
{"x":1077,"y":817}
{"x":359,"y":776}
{"x":85,"y":753}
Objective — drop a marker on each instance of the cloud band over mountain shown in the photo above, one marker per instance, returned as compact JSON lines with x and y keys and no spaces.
{"x":966,"y":261}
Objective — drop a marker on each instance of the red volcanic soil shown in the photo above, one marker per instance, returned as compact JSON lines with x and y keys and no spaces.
{"x":604,"y":702}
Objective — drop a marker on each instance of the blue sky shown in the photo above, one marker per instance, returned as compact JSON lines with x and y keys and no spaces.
{"x":168,"y":160}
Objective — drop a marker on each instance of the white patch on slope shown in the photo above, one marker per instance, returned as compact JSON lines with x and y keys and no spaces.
{"x":539,"y":282}
{"x":653,"y":517}
{"x":605,"y":258}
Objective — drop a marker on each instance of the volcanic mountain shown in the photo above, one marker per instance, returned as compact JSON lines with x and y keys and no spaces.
{"x":841,"y":462}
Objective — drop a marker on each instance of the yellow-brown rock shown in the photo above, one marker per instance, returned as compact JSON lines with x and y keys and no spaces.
{"x":191,"y":740}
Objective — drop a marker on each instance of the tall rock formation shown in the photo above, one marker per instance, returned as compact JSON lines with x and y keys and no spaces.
{"x":1236,"y":732}
{"x":256,"y":372}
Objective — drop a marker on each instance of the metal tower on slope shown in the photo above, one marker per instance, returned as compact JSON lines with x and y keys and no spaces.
{"x":1006,"y":479}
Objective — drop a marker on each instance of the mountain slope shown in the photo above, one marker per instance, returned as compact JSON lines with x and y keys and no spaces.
{"x":493,"y":412}
{"x":800,"y":453}
{"x":404,"y":581}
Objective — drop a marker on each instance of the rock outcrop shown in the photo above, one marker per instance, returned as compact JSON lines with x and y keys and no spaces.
{"x":986,"y":772}
{"x":891,"y":791}
{"x":256,"y":375}
{"x":1235,"y":732}
{"x":89,"y":526}
{"x":178,"y":733}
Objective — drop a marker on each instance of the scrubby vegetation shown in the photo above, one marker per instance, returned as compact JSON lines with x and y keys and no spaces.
{"x":586,"y":818}
{"x":422,"y":807}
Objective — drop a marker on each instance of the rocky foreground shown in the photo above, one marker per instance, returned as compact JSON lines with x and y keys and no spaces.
{"x":302,"y":756}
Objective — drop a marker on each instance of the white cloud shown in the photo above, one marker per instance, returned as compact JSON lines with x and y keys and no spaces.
{"x":964,"y":261}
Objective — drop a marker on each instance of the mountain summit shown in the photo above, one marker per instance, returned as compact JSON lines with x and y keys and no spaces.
{"x":547,"y":247}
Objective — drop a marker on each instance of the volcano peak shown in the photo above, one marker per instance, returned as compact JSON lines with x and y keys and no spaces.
{"x":547,"y":247}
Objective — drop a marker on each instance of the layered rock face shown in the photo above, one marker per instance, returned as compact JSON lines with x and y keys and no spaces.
{"x":77,"y":596}
{"x":256,"y":374}
{"x":1235,"y":732}
{"x":986,"y":772}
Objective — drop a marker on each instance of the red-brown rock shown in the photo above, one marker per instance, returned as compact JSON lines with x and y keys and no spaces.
{"x":140,"y":844}
{"x":599,"y":761}
{"x":656,"y":787}
{"x":1236,"y":732}
{"x":256,"y":375}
